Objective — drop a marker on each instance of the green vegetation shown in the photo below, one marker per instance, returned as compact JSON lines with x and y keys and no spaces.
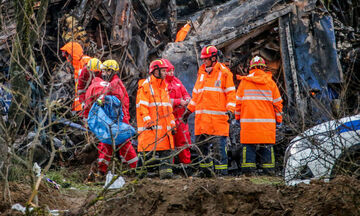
{"x":267,"y":180}
{"x":73,"y":179}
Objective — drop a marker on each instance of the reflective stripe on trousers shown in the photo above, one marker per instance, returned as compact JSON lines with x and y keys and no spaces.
{"x":206,"y":165}
{"x":266,"y":153}
{"x":248,"y":157}
{"x":221,"y":167}
{"x":219,"y":157}
{"x":269,"y":163}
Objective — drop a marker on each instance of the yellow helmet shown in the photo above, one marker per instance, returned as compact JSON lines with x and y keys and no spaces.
{"x":94,"y":65}
{"x":110,"y":64}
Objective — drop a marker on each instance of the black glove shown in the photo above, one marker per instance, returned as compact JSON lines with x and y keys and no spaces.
{"x":185,"y":116}
{"x":231,"y":116}
{"x":173,"y":131}
{"x":152,"y":127}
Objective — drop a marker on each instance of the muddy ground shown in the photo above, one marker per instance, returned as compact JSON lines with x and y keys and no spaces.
{"x":194,"y":196}
{"x":236,"y":196}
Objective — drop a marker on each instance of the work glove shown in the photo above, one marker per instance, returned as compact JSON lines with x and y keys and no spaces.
{"x":100,"y":100}
{"x":231,"y":116}
{"x":278,"y":125}
{"x":152,"y":127}
{"x":185,"y":116}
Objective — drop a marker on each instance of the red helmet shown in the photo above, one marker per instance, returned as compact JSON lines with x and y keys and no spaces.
{"x":208,"y":51}
{"x":171,"y":66}
{"x":257,"y":61}
{"x":157,"y":64}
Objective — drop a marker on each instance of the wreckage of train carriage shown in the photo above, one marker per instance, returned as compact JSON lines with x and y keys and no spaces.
{"x":296,"y":40}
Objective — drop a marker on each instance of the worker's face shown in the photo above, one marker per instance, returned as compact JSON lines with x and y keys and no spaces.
{"x":170,"y":72}
{"x":207,"y":62}
{"x":67,"y":55}
{"x":106,"y":74}
{"x":163,"y":72}
{"x":160,"y":74}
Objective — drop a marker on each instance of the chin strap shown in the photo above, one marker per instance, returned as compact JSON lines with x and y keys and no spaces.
{"x":208,"y":69}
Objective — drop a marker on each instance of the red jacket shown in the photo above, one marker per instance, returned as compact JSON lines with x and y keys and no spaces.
{"x":114,"y":87}
{"x":177,"y":92}
{"x":85,"y":78}
{"x":118,"y":89}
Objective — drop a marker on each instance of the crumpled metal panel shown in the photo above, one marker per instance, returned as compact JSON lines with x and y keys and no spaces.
{"x":315,"y":49}
{"x":232,"y":15}
{"x":308,"y":51}
{"x":317,"y":63}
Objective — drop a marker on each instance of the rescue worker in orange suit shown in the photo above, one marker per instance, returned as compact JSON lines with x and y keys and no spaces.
{"x":182,"y":33}
{"x":110,"y":84}
{"x":179,"y":100}
{"x":259,"y":109}
{"x":88,"y":73}
{"x":213,"y":102}
{"x":74,"y":54}
{"x":155,"y":119}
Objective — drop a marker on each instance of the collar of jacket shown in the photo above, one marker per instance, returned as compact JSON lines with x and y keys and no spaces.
{"x":169,"y":79}
{"x":114,"y":77}
{"x":216,"y":68}
{"x":157,"y":82}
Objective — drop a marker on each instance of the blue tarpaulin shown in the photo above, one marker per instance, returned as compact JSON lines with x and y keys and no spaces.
{"x":5,"y":99}
{"x":106,"y":122}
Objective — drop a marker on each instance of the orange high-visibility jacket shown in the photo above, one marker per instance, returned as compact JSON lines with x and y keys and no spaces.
{"x":212,"y":96}
{"x":259,"y":107}
{"x":181,"y":35}
{"x":78,"y":61}
{"x":153,"y":108}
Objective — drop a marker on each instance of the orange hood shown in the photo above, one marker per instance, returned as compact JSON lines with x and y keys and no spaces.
{"x":256,"y":76}
{"x":74,"y":49}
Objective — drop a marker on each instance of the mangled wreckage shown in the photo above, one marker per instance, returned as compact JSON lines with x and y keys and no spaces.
{"x":296,"y":39}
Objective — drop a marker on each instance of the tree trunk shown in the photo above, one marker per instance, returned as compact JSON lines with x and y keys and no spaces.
{"x":22,"y":64}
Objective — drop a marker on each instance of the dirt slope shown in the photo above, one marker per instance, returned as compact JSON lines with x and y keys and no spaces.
{"x":236,"y":196}
{"x":221,"y":196}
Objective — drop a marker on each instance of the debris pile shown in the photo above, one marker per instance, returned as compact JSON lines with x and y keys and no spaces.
{"x":303,"y":47}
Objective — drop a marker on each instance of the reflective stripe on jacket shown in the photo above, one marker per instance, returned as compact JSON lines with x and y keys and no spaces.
{"x":213,"y":95}
{"x":153,"y":108}
{"x":259,"y":107}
